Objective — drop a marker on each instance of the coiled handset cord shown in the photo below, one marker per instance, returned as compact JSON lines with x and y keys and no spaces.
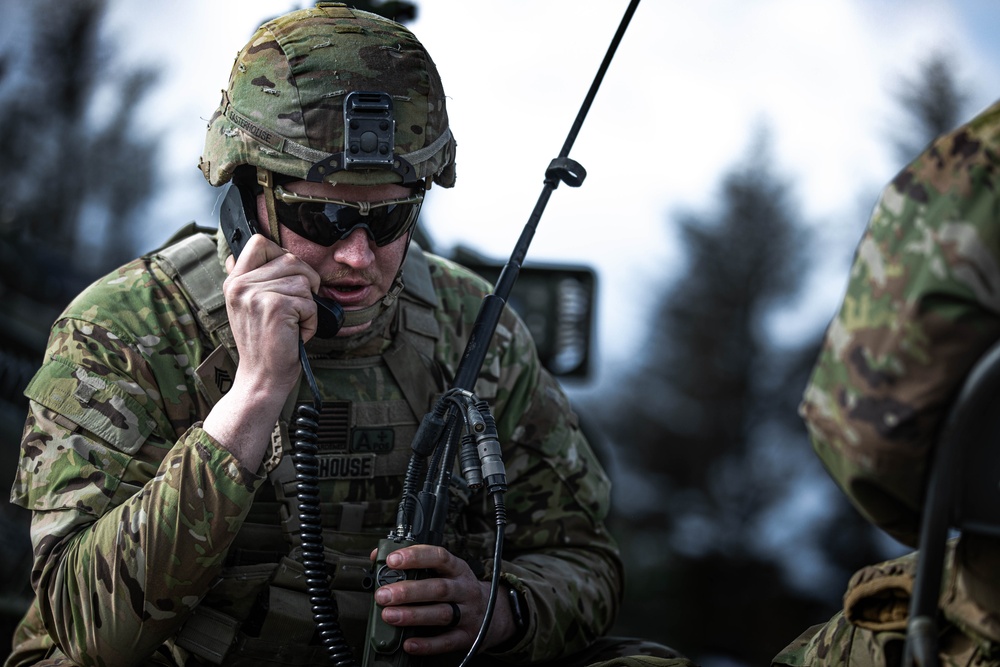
{"x":304,"y":449}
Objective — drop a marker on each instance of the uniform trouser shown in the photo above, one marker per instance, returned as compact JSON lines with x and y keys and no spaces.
{"x":842,"y":644}
{"x":605,"y":652}
{"x":611,"y":652}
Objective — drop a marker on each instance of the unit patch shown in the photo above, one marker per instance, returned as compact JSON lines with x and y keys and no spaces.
{"x":346,"y":466}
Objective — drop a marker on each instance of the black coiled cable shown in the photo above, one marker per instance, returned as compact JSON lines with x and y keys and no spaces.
{"x":304,"y":449}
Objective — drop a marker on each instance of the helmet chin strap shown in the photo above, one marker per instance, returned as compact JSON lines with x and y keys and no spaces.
{"x":352,"y":318}
{"x":356,"y":317}
{"x":265,"y":179}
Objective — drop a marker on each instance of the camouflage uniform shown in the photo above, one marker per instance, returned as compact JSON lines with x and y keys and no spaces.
{"x":921,"y":308}
{"x":139,"y":517}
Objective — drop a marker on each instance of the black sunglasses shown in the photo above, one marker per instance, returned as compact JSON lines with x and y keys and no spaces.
{"x":326,"y":221}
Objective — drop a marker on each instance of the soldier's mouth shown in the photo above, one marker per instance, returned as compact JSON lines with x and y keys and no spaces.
{"x":348,"y":294}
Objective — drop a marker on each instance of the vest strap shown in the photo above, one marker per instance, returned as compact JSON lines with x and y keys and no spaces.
{"x":192,"y":263}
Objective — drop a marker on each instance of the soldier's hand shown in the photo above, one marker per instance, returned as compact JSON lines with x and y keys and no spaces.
{"x":429,"y":602}
{"x":269,"y":300}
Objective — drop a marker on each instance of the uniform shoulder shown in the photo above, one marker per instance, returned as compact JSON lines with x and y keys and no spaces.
{"x":960,"y":164}
{"x":134,"y":302}
{"x":449,"y":275}
{"x":986,"y":126}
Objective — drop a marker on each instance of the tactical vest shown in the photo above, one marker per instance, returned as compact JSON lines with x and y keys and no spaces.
{"x":258,"y":611}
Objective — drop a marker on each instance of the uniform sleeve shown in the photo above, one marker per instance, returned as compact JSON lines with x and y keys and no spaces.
{"x":921,"y":307}
{"x":133,"y":504}
{"x":557,"y":549}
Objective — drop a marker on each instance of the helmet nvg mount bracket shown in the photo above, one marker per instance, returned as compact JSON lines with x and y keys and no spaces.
{"x":369,"y":139}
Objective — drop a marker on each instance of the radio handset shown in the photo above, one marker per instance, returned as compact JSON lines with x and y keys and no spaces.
{"x":238,"y":223}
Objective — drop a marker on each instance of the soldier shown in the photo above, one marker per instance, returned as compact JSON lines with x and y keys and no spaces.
{"x":156,"y":455}
{"x":921,"y":308}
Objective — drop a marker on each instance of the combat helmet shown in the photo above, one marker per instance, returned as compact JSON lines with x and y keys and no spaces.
{"x":337,"y":95}
{"x":289,"y":91}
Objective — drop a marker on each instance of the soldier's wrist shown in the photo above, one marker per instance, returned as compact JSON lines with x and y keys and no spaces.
{"x":518,"y":606}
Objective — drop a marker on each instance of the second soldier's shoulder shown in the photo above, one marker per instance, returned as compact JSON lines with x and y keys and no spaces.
{"x":959,"y":165}
{"x":986,"y":125}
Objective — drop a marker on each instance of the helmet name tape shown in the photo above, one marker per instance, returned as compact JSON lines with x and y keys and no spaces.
{"x":256,"y":131}
{"x":272,"y":139}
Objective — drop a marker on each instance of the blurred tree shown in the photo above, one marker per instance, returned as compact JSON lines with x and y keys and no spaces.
{"x":74,"y":155}
{"x":709,"y":339}
{"x":77,"y":166}
{"x":931,"y":103}
{"x":709,"y":418}
{"x":743,"y":541}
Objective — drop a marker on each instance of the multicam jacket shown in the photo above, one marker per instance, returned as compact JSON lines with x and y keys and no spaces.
{"x":139,"y":517}
{"x":922,"y":306}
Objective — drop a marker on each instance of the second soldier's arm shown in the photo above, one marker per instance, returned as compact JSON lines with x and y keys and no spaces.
{"x":922,"y":306}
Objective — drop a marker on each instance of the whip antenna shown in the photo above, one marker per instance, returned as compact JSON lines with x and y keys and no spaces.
{"x":561,"y":168}
{"x":423,"y":509}
{"x":585,"y":107}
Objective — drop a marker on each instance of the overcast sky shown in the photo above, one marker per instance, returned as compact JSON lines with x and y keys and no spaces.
{"x":678,"y":107}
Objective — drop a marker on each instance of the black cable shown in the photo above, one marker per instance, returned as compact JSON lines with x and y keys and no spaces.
{"x":501,"y":517}
{"x":304,"y":449}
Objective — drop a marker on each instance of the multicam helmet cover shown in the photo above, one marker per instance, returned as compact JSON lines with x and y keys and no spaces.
{"x":284,"y":107}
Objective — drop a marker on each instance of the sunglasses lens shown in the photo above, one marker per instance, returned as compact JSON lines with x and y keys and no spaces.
{"x":395,"y":221}
{"x":326,"y":223}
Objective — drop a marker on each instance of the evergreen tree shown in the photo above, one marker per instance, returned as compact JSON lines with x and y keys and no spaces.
{"x":71,"y":154}
{"x":931,"y":103}
{"x":710,"y":421}
{"x":699,"y":385}
{"x":73,"y":151}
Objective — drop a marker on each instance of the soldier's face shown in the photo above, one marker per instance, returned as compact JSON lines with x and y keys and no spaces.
{"x":355,"y":271}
